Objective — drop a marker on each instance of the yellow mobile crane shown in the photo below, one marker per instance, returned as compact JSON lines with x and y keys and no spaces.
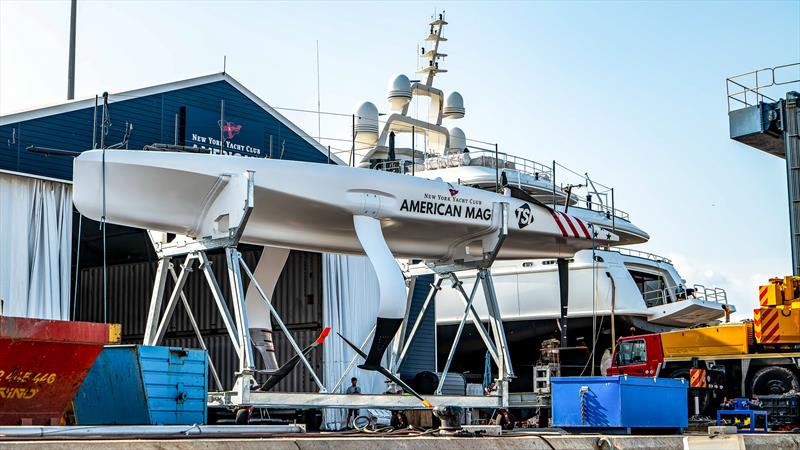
{"x":758,"y":358}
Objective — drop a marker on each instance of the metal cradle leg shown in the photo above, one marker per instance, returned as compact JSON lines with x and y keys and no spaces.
{"x":197,"y":333}
{"x":476,"y":320}
{"x":157,"y":297}
{"x":457,"y":338}
{"x":240,"y":311}
{"x":219,"y":299}
{"x":506,"y":370}
{"x":186,"y":269}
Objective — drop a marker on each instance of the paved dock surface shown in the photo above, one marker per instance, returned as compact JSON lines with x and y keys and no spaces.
{"x":514,"y":441}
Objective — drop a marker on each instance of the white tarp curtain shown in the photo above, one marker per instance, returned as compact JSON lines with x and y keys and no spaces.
{"x":35,"y":247}
{"x":351,"y":299}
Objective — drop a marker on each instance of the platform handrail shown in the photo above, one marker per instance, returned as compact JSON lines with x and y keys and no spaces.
{"x":740,"y":91}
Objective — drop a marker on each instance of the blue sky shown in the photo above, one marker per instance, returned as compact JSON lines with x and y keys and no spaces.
{"x":632,"y":92}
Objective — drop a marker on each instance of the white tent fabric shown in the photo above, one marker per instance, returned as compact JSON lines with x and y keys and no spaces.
{"x":351,"y":300}
{"x":35,"y":247}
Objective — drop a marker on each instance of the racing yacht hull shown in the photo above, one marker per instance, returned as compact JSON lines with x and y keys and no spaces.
{"x":307,"y":206}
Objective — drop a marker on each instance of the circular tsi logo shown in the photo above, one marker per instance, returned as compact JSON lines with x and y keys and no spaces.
{"x":524,"y":216}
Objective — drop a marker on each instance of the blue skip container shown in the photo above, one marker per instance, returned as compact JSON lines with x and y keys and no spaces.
{"x":144,"y":385}
{"x":621,"y":404}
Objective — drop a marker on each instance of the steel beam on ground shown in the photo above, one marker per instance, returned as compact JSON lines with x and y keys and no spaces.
{"x":292,"y":400}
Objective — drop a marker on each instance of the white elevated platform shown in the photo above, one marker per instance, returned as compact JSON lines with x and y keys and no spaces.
{"x":292,"y":400}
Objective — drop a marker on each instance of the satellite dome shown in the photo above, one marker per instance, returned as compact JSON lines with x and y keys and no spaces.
{"x":458,"y":140}
{"x":367,"y":118}
{"x":399,"y":92}
{"x":454,"y":106}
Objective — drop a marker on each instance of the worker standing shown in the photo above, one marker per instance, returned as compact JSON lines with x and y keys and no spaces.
{"x":354,"y":388}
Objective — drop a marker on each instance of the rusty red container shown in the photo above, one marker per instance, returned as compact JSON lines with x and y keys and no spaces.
{"x":42,"y":365}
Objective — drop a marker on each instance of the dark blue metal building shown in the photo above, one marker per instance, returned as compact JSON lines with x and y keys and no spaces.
{"x":191,"y":113}
{"x":184,"y":112}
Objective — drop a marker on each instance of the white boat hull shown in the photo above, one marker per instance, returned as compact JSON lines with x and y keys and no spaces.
{"x":308,"y":206}
{"x":528,"y":291}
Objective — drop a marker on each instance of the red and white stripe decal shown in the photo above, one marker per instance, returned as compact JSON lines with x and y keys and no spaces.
{"x":562,"y":218}
{"x":558,"y":222}
{"x":583,"y":228}
{"x":571,"y":226}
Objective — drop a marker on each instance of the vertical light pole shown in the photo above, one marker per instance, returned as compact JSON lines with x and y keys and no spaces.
{"x":71,"y":74}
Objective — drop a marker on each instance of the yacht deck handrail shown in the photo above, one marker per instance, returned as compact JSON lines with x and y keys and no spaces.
{"x":699,"y":292}
{"x":491,"y":159}
{"x":711,"y":294}
{"x":482,"y":157}
{"x":594,"y":206}
{"x":640,"y":254}
{"x":505,"y":162}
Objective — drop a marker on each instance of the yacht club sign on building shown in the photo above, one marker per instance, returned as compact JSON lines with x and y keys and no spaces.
{"x":203,"y":129}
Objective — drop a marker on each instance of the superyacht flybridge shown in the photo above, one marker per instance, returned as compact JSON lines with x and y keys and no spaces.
{"x":641,"y":291}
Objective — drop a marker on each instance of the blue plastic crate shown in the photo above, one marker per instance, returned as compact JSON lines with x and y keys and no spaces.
{"x":619,"y":403}
{"x":144,"y":385}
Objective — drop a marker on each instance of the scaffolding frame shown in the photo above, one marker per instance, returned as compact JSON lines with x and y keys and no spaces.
{"x":231,"y":210}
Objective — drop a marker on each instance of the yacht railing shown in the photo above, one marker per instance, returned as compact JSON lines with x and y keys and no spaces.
{"x":610,"y":211}
{"x":401,"y":166}
{"x":710,"y":294}
{"x":656,"y":297}
{"x":476,"y":156}
{"x":503,"y":162}
{"x":641,"y":254}
{"x":662,"y":296}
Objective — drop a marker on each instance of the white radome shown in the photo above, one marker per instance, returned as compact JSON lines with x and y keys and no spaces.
{"x":399,"y":92}
{"x":367,"y":118}
{"x":454,"y":106}
{"x":458,"y":140}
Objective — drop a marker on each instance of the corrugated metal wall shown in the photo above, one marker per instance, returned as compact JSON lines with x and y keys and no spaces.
{"x":297,"y":297}
{"x":421,"y":355}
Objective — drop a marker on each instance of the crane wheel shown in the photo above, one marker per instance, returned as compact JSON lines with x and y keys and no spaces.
{"x":774,"y":380}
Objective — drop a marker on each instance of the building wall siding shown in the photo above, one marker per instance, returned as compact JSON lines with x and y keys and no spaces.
{"x":153,"y":120}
